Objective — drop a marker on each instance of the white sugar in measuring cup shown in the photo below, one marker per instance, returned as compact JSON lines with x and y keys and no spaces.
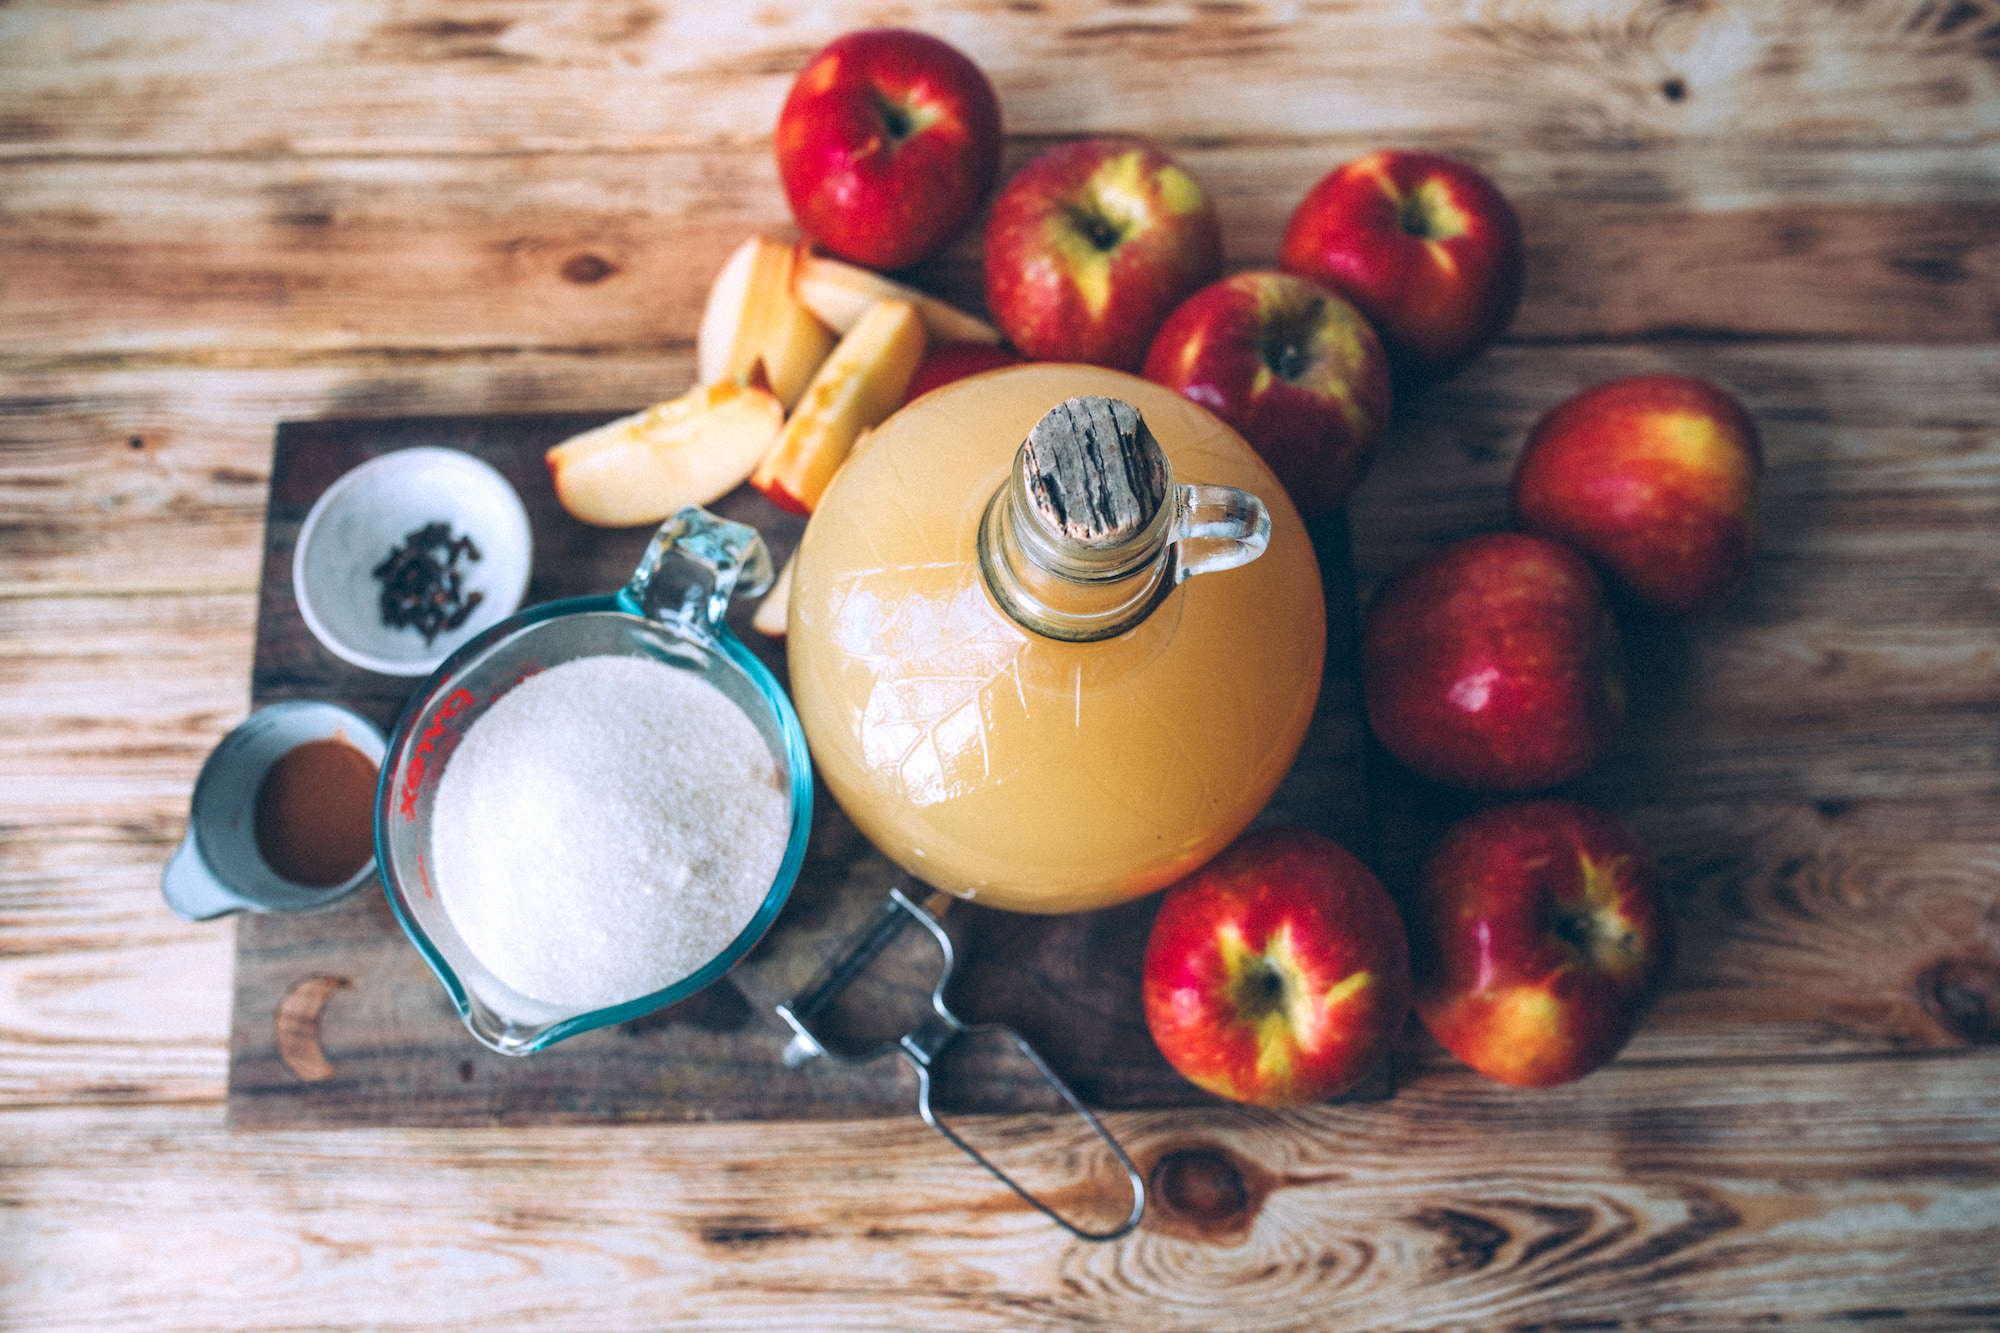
{"x":671,"y":612}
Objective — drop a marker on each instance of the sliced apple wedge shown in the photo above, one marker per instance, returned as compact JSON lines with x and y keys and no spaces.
{"x":751,"y":314}
{"x":772,"y":614}
{"x":691,"y":451}
{"x":839,"y":292}
{"x":861,"y":383}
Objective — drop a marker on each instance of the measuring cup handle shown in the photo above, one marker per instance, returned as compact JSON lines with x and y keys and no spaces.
{"x":192,"y":891}
{"x":695,"y":563}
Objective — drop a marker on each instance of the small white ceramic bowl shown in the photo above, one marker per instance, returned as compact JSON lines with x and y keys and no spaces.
{"x":370,"y":512}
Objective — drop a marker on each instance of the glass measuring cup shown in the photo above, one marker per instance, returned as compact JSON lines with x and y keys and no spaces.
{"x":670,"y":612}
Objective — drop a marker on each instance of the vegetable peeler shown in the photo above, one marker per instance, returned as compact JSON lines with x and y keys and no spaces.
{"x":924,"y":1044}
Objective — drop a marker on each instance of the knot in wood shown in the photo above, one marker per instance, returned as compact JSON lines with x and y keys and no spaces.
{"x":1093,"y":471}
{"x":1202,"y":1186}
{"x":1963,"y":995}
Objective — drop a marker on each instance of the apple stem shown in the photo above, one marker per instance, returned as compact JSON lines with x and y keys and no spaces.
{"x":896,"y":119}
{"x":1287,"y":337}
{"x":1413,"y":217}
{"x":1591,"y":935}
{"x":1287,"y":360}
{"x":1099,"y":230}
{"x":1575,"y":929}
{"x":1429,"y":213}
{"x":1261,"y":989}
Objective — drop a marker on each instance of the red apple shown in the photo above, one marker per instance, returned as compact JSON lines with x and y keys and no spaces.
{"x":1655,"y":478}
{"x":1277,"y":974}
{"x":1091,"y":245}
{"x":946,"y":362}
{"x":1427,"y":247}
{"x":1538,"y":938}
{"x":1492,"y":663}
{"x":888,"y":143}
{"x":1295,"y":369}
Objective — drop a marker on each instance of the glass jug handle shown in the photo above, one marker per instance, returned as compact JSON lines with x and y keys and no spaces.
{"x":695,"y":563}
{"x":1217,"y":527}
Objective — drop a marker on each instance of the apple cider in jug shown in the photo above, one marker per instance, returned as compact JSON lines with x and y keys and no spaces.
{"x":1009,"y":676}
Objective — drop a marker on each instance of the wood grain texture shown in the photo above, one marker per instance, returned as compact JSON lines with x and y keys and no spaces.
{"x":153,"y":480}
{"x":108,"y":705}
{"x":1664,"y":1199}
{"x":214,"y":218}
{"x":570,"y":76}
{"x":617,"y":252}
{"x":561,"y":178}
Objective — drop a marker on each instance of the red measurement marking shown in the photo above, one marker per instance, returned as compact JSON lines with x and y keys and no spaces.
{"x":528,"y":668}
{"x":413,"y":776}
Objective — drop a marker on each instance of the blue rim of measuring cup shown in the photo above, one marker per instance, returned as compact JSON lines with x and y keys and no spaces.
{"x":767,"y":912}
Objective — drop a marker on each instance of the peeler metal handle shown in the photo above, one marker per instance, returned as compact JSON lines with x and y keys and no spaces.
{"x":923,"y":1045}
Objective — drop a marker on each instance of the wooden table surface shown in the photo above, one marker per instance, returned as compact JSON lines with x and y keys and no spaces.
{"x":214,"y":217}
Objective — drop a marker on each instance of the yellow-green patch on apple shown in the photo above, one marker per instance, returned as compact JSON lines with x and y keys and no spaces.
{"x":1278,"y":973}
{"x":1538,"y":937}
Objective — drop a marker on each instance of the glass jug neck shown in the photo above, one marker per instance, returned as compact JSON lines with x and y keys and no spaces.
{"x":1089,"y":532}
{"x":1067,"y":590}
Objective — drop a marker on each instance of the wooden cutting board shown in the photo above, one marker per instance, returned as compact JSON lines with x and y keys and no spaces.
{"x":338,"y":1022}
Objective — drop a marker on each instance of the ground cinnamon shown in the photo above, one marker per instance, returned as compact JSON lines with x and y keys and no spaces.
{"x":315,"y":820}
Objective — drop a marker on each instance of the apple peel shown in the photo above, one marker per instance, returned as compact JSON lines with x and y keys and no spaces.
{"x":692,"y":450}
{"x":839,"y":293}
{"x":857,"y":387}
{"x":1539,"y":937}
{"x":773,"y":613}
{"x":752,"y":315}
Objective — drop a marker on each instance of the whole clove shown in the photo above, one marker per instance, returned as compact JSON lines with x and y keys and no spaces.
{"x":422,"y":586}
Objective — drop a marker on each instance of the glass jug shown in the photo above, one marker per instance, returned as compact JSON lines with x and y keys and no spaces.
{"x":670,"y":613}
{"x":1011,"y":680}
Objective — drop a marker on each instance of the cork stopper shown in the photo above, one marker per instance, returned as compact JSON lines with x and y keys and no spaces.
{"x":1093,"y":473}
